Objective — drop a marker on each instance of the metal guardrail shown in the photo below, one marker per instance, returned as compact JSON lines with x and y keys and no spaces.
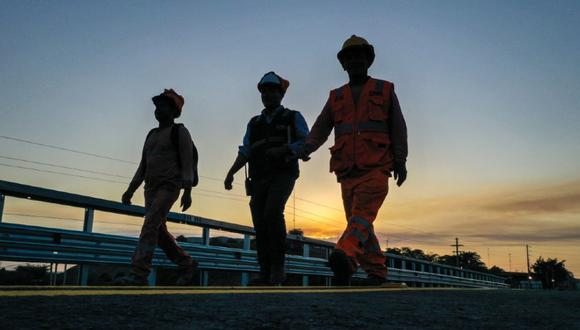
{"x":40,"y":244}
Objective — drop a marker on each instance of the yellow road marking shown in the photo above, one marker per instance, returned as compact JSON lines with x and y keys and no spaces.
{"x":132,"y":291}
{"x":155,"y":291}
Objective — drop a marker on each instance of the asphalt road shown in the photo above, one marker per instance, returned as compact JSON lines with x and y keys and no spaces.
{"x":288,"y":309}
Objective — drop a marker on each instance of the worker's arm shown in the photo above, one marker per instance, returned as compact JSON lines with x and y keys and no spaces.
{"x":188,"y":157}
{"x":244,"y":153}
{"x":398,"y":135}
{"x":137,"y":179}
{"x":319,"y":132}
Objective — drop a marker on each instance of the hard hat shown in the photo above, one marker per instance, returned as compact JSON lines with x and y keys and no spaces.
{"x":171,"y":95}
{"x":272,"y":78}
{"x":357,"y":42}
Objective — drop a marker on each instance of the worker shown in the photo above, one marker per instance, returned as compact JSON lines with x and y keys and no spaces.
{"x":168,"y":164}
{"x":370,"y":142}
{"x":268,"y":142}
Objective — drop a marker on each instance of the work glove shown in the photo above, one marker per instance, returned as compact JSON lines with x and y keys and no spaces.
{"x":229,"y":181}
{"x":400,"y":173}
{"x":185,"y":200}
{"x":303,"y":153}
{"x":277,"y":152}
{"x":126,"y":199}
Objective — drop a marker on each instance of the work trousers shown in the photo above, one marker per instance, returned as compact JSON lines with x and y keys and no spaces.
{"x":362,"y":197}
{"x":154,"y":232}
{"x":269,"y":197}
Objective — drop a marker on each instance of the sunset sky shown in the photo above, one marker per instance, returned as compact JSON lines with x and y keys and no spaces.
{"x":490,"y":91}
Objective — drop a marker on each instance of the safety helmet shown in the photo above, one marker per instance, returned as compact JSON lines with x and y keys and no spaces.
{"x":357,"y":42}
{"x":274,"y":79}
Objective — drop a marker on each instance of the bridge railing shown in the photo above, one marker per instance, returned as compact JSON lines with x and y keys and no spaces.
{"x":40,"y":244}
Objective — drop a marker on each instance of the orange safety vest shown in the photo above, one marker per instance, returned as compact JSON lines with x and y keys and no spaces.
{"x":361,"y":132}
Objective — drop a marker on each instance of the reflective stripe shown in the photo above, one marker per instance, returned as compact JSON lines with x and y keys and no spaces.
{"x":360,"y":236}
{"x":363,"y":222}
{"x":344,"y":128}
{"x":374,"y":247}
{"x":379,"y":87}
{"x":375,"y":126}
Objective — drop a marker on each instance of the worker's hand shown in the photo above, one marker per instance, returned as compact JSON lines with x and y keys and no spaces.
{"x":303,"y":153}
{"x":185,"y":200}
{"x":277,"y":152}
{"x":126,"y":199}
{"x":400,"y":173}
{"x":195,"y":179}
{"x":229,"y":181}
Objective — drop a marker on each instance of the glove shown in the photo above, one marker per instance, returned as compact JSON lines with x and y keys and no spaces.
{"x":126,"y":199}
{"x":400,"y":173}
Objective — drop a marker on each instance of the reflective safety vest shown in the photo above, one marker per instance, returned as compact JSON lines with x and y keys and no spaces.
{"x":361,"y":132}
{"x":263,"y":136}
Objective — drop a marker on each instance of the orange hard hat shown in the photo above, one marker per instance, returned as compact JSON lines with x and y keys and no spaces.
{"x":170,"y":94}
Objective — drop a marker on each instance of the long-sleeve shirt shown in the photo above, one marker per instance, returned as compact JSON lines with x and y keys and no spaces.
{"x":162,"y":163}
{"x":301,"y":131}
{"x":396,"y":122}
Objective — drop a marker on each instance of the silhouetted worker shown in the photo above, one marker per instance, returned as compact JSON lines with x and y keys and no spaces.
{"x":370,"y":141}
{"x":168,"y":164}
{"x":267,"y":143}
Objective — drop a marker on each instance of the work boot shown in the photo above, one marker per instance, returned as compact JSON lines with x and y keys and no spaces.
{"x":186,"y":274}
{"x":340,"y":265}
{"x":131,"y":280}
{"x":277,"y":275}
{"x":264,"y":278}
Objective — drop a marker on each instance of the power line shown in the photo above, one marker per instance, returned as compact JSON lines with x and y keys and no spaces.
{"x":65,"y":167}
{"x":66,"y":149}
{"x":61,"y":173}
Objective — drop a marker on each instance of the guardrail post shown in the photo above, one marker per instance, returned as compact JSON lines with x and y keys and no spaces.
{"x":403,"y":264}
{"x":204,"y":278}
{"x":1,"y":206}
{"x":205,"y":236}
{"x":246,"y":247}
{"x":306,"y":254}
{"x":152,"y":279}
{"x":87,"y":228}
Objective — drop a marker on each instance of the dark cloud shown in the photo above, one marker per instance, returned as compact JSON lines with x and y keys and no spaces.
{"x":552,"y":202}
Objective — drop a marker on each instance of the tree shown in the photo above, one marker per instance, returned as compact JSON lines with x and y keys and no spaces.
{"x":495,"y":270}
{"x":467,"y":259}
{"x":413,"y":253}
{"x":551,"y":272}
{"x":297,"y":232}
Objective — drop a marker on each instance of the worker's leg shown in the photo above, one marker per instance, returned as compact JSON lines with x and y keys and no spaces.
{"x":257,"y":207}
{"x":278,"y":193}
{"x":172,"y":250}
{"x":158,"y":203}
{"x":369,"y":192}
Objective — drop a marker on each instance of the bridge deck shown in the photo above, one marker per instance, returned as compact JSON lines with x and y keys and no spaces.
{"x":286,"y":308}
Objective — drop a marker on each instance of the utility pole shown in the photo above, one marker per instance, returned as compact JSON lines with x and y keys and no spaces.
{"x":456,"y":245}
{"x":294,"y":210}
{"x":528,"y":260}
{"x":387,"y":241}
{"x":510,"y":259}
{"x":488,"y":260}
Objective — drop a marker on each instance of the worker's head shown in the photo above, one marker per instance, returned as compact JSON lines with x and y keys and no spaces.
{"x":272,"y":88}
{"x":168,"y":105}
{"x":356,"y":56}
